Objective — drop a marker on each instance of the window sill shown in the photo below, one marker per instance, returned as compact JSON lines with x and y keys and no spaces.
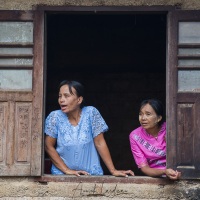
{"x":103,"y":179}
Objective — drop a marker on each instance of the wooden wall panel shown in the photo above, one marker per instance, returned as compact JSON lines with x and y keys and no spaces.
{"x":3,"y":129}
{"x":185,"y":135}
{"x":197,"y":135}
{"x":23,"y":132}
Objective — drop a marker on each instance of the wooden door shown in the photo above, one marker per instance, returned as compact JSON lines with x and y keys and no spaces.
{"x":183,"y":93}
{"x":21,"y":93}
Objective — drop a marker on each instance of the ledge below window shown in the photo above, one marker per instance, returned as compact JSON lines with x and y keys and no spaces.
{"x":103,"y":179}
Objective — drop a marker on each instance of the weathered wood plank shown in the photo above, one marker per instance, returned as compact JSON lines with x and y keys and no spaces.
{"x":37,"y":128}
{"x":15,"y":96}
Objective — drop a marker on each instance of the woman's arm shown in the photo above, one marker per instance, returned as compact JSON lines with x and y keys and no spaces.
{"x":139,"y":158}
{"x":56,"y":159}
{"x":170,"y":173}
{"x":152,"y":171}
{"x":104,"y":152}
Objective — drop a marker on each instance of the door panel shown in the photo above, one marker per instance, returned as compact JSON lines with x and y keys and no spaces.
{"x":183,"y":93}
{"x":21,"y":93}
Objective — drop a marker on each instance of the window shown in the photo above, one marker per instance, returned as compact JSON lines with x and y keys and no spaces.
{"x":121,"y":60}
{"x":120,"y":56}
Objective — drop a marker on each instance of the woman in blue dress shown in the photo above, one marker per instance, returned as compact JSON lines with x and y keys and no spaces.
{"x":74,"y":136}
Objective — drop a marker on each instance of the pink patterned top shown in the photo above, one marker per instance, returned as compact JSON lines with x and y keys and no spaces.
{"x":148,"y":150}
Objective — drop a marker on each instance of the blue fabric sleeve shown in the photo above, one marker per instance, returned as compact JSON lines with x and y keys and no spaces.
{"x":50,"y":125}
{"x":98,"y":123}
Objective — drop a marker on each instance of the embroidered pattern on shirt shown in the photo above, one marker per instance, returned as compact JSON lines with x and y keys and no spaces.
{"x":157,"y":162}
{"x":149,"y":146}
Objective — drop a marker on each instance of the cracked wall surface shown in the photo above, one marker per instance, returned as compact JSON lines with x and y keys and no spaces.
{"x":31,"y":4}
{"x":24,"y":188}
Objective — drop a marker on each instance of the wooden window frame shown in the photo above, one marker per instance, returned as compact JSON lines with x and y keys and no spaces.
{"x":102,"y":10}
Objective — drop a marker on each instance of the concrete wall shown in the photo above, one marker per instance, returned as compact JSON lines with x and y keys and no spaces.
{"x":140,"y":188}
{"x":29,"y":4}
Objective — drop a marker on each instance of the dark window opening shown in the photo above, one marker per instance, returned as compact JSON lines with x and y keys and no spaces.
{"x":121,"y":60}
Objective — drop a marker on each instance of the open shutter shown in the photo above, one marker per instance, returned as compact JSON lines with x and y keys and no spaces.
{"x":183,"y":93}
{"x":21,"y":93}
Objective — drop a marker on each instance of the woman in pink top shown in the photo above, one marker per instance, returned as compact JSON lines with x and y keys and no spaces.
{"x":148,"y":142}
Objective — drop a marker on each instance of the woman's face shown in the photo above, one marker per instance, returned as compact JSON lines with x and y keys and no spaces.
{"x":68,"y":102}
{"x":148,"y":117}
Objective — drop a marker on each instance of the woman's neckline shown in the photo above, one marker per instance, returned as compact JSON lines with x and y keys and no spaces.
{"x":155,"y":136}
{"x":77,"y":122}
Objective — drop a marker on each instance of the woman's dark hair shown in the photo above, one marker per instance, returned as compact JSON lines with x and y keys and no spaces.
{"x":156,"y":105}
{"x":76,"y":85}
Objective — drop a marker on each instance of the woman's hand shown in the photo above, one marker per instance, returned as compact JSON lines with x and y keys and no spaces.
{"x":153,"y":172}
{"x":124,"y":173}
{"x":76,"y":172}
{"x":172,"y":174}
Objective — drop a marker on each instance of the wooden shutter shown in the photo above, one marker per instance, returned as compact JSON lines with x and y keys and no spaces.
{"x":21,"y":93}
{"x":183,"y":93}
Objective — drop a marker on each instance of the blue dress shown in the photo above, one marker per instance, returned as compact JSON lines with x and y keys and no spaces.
{"x":75,"y":144}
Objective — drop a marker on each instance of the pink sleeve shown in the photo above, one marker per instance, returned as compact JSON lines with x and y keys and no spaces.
{"x":138,"y":155}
